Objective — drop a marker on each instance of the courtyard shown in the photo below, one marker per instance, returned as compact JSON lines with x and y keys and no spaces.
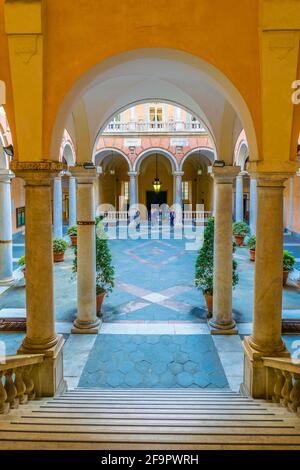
{"x":154,"y":332}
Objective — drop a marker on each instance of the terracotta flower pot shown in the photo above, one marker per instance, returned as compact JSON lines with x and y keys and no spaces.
{"x":59,"y":257}
{"x":73,"y":239}
{"x":209,"y":304}
{"x":99,"y":302}
{"x":239,"y":239}
{"x":285,"y":277}
{"x":252,"y":255}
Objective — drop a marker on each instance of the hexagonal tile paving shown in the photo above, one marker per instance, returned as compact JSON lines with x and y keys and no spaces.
{"x":153,"y":361}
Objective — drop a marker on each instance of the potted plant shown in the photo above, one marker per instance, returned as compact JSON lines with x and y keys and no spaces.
{"x":72,"y":232}
{"x":22,"y":264}
{"x":105,"y":272}
{"x":59,"y":248}
{"x":251,"y":244}
{"x":288,"y":265}
{"x":204,"y":274}
{"x":240,"y":230}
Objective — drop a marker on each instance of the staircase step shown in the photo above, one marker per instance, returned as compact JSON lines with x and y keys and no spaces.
{"x":149,"y":419}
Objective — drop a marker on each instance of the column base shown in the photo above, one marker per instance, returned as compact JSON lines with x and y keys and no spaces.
{"x":258,"y":382}
{"x":216,"y":329}
{"x":48,"y":377}
{"x":91,"y":328}
{"x":8,"y":281}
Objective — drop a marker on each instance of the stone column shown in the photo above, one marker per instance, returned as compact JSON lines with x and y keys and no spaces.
{"x":267,"y":309}
{"x":178,"y":196}
{"x":222,"y":321}
{"x":57,"y":208}
{"x":40,"y":322}
{"x":6,"y":255}
{"x":72,"y":200}
{"x":86,"y":320}
{"x":132,"y":187}
{"x":253,"y":206}
{"x":291,"y":203}
{"x":239,"y":209}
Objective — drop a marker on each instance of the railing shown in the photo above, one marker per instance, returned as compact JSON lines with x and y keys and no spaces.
{"x":283,"y":382}
{"x":196,"y":216}
{"x":17,"y":380}
{"x":154,"y":126}
{"x":115,"y":216}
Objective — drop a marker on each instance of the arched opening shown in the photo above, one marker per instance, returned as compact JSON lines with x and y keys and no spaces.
{"x":99,"y":114}
{"x":112,"y":186}
{"x":197,"y":182}
{"x":150,"y":165}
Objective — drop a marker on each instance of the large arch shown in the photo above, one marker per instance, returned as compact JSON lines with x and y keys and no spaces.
{"x":152,"y":151}
{"x":100,"y":154}
{"x":162,"y":74}
{"x":200,"y":115}
{"x":207,"y":152}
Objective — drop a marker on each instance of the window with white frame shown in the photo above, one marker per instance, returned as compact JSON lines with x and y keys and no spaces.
{"x":155,"y":114}
{"x":185,"y":190}
{"x":126,"y":190}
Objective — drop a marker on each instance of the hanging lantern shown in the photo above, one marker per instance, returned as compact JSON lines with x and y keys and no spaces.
{"x":156,"y":182}
{"x":112,"y":171}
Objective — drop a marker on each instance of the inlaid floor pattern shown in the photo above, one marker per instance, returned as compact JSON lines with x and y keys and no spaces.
{"x":149,"y":419}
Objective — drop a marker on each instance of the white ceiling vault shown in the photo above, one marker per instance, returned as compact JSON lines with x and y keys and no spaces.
{"x":145,"y":75}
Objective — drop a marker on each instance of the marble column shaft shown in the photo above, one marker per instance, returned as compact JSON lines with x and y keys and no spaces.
{"x":267,"y":310}
{"x":132,"y":187}
{"x":86,"y":320}
{"x":72,"y":201}
{"x":222,"y":321}
{"x":40,"y":321}
{"x":57,"y":208}
{"x":6,"y":253}
{"x":253,"y":206}
{"x":239,"y":210}
{"x":178,"y":188}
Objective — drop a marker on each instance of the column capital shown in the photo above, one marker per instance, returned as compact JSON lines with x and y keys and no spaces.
{"x":132,"y":173}
{"x":6,"y":175}
{"x":225,"y":174}
{"x":37,"y":173}
{"x":84,"y":175}
{"x":178,"y":173}
{"x":271,"y":179}
{"x":242,"y":174}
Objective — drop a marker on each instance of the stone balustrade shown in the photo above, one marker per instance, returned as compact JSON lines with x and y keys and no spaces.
{"x":283,"y":382}
{"x":18,"y":380}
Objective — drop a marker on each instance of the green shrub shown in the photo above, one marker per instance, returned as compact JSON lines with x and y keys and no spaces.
{"x":251,"y":242}
{"x":288,"y":261}
{"x":105,"y":273}
{"x":72,"y":230}
{"x":204,"y":272}
{"x":59,"y":245}
{"x":21,"y":261}
{"x":240,"y":228}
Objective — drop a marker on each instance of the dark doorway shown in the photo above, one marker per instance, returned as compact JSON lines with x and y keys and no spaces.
{"x":155,"y":198}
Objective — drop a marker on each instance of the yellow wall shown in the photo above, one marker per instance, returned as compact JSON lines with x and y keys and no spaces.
{"x":75,"y":31}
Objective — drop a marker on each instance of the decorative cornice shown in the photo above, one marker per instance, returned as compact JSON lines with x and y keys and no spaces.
{"x":46,"y":165}
{"x":225,"y":174}
{"x":13,"y":324}
{"x":86,"y":222}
